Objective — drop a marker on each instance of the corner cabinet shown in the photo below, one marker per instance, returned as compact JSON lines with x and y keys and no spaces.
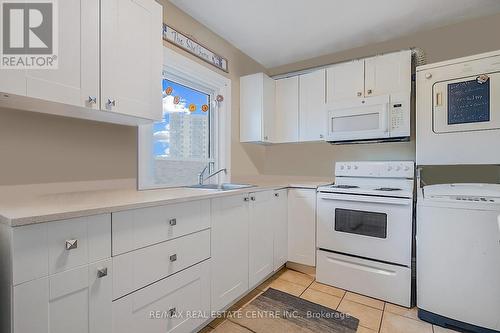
{"x":257,"y":108}
{"x":109,"y":65}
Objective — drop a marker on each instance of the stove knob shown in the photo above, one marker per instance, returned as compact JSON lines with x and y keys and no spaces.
{"x":356,"y":167}
{"x":407,"y":168}
{"x":348,"y":167}
{"x":398,"y":168}
{"x":389,"y":168}
{"x":341,"y":167}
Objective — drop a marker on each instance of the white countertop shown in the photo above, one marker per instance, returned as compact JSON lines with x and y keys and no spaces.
{"x":28,"y":204}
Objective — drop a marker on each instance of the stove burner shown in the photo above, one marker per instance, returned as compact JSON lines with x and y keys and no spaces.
{"x":387,"y":189}
{"x":345,"y":186}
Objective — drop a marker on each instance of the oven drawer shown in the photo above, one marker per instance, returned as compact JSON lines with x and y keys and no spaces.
{"x":390,"y":283}
{"x":136,"y":269}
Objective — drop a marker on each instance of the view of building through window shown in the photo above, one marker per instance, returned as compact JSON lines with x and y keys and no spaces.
{"x":181,"y":140}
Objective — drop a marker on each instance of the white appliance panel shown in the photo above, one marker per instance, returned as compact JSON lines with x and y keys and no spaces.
{"x":458,"y":251}
{"x":458,"y":119}
{"x":372,"y":227}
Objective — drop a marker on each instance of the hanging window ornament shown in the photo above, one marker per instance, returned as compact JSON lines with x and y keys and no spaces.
{"x":177,"y":99}
{"x":219,"y":98}
{"x":204,"y":108}
{"x":168,"y":91}
{"x":192,"y":107}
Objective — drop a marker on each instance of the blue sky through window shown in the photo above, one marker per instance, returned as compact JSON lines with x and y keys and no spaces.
{"x":162,"y":130}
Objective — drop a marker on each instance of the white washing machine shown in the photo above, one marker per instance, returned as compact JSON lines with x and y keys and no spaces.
{"x":458,"y":256}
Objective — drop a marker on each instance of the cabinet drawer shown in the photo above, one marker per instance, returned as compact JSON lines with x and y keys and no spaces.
{"x":170,"y":305}
{"x":136,"y":269}
{"x":137,"y":228}
{"x":52,"y":247}
{"x":388,"y":282}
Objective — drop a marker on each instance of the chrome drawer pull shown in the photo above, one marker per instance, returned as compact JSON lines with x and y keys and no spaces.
{"x":173,"y":257}
{"x":246,"y":199}
{"x":276,"y":194}
{"x":252,"y":198}
{"x":172,"y":222}
{"x":71,"y":244}
{"x":102,"y":272}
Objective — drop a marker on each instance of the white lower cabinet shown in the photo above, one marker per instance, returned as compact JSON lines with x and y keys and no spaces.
{"x":280,"y":217}
{"x":230,"y":222}
{"x":301,"y":226}
{"x":77,"y":301}
{"x":179,"y":303}
{"x":261,"y":247}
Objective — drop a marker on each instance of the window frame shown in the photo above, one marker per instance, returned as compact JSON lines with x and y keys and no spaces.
{"x":185,"y":71}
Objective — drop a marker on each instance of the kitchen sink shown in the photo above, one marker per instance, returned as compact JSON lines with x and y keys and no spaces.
{"x":222,"y":187}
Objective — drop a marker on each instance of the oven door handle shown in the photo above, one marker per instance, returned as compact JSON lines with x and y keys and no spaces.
{"x":365,"y":198}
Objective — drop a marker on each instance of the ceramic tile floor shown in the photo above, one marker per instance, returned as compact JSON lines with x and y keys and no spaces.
{"x":374,"y":315}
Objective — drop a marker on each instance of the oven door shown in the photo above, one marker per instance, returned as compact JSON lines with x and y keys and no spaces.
{"x":372,"y":227}
{"x":360,"y":119}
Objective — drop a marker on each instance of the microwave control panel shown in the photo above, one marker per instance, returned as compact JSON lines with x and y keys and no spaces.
{"x":399,"y":116}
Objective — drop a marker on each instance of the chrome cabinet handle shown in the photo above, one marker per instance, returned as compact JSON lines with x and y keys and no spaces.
{"x":266,"y":138}
{"x":172,"y":222}
{"x":111,"y":102}
{"x":321,"y":136}
{"x":92,"y":100}
{"x":102,"y":272}
{"x":370,"y":91}
{"x":71,"y":244}
{"x":246,"y":199}
{"x":276,"y":194}
{"x":360,"y":94}
{"x":252,"y":198}
{"x":172,"y":312}
{"x":173,"y":257}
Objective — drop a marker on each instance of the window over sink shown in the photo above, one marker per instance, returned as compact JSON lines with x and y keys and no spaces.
{"x":192,"y":133}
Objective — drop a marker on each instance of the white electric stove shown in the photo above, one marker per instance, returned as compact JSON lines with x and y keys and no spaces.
{"x":365,"y":229}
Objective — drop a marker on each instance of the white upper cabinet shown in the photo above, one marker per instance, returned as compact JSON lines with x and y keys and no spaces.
{"x":388,"y":73}
{"x":312,"y":114}
{"x":287,"y":110}
{"x":345,"y":80}
{"x":109,"y":65}
{"x":257,"y":105}
{"x":76,"y":80}
{"x":131,"y":57}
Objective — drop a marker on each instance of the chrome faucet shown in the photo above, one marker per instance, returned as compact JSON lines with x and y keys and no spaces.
{"x":202,"y":179}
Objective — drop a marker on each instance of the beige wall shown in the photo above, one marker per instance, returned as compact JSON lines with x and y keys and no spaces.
{"x":316,"y":159}
{"x":37,"y":148}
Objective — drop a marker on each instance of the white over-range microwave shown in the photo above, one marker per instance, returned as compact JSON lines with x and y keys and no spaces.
{"x":379,"y":118}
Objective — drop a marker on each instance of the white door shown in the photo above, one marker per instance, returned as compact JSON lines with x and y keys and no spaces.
{"x":287,"y":110}
{"x":76,"y":81}
{"x":229,"y":250}
{"x":345,"y":81}
{"x":77,"y":300}
{"x":261,"y":255}
{"x":388,"y":74}
{"x":131,"y":57}
{"x":280,"y":216}
{"x":312,"y":112}
{"x":301,"y":226}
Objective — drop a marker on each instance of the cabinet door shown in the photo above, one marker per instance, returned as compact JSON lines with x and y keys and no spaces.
{"x":345,"y":80}
{"x":261,"y":249}
{"x":76,"y":81}
{"x":269,"y":110}
{"x":388,"y":73}
{"x":312,"y":114}
{"x":301,"y":226}
{"x":229,"y":250}
{"x":131,"y":57}
{"x":280,"y":216}
{"x":78,"y":301}
{"x":287,"y":110}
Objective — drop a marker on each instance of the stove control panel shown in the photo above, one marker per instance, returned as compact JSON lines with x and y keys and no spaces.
{"x":390,"y":169}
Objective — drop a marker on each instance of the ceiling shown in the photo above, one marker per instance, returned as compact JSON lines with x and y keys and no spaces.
{"x":278,"y":32}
